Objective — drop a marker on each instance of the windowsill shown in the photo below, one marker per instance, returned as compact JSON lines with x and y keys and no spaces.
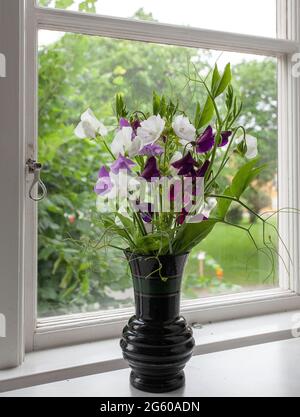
{"x":105,"y":356}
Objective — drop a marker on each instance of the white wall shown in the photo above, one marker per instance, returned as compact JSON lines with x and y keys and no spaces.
{"x":11,"y":188}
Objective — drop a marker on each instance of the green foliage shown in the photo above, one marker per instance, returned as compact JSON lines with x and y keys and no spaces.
{"x":84,"y":6}
{"x":220,"y":83}
{"x":240,"y":183}
{"x":78,"y":72}
{"x":190,"y":235}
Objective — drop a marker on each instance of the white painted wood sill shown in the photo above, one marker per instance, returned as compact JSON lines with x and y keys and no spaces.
{"x":59,"y":364}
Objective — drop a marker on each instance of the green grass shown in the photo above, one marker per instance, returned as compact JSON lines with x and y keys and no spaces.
{"x":236,"y":254}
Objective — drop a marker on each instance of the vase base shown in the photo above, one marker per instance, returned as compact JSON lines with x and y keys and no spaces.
{"x":157,"y":385}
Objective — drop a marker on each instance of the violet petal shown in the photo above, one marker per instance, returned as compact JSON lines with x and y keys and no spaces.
{"x":206,"y":141}
{"x":151,"y":170}
{"x":122,"y":163}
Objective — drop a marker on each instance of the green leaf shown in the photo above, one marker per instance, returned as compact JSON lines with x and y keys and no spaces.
{"x":215,"y":80}
{"x":63,"y":4}
{"x":121,"y":109}
{"x":207,"y":113}
{"x":85,"y":285}
{"x":153,"y":243}
{"x":57,"y":264}
{"x":88,"y":6}
{"x":240,"y":183}
{"x":127,"y":223}
{"x":163,"y":107}
{"x":191,"y":234}
{"x":197,"y":116}
{"x":66,"y":280}
{"x":224,"y":81}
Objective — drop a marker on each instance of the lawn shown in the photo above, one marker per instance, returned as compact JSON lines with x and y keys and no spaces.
{"x":235,"y":253}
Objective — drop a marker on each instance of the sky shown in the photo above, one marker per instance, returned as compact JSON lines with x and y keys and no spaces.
{"x":254,"y":17}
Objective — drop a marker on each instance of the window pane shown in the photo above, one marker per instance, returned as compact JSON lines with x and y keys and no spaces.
{"x":253,"y":17}
{"x":77,"y":72}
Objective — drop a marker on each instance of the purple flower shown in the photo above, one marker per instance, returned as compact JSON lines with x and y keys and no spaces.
{"x":104,"y":184}
{"x":103,"y":173}
{"x":186,"y":165}
{"x":151,"y":170}
{"x":135,"y":125}
{"x":152,"y":150}
{"x":147,"y":217}
{"x":202,"y":171}
{"x":122,"y":163}
{"x":124,"y":123}
{"x":206,"y":141}
{"x":225,"y":138}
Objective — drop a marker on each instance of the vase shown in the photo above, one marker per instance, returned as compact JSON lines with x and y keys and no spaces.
{"x":157,"y":342}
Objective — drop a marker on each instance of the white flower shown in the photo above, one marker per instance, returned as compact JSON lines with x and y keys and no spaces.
{"x":251,"y":143}
{"x":123,"y":143}
{"x":204,"y":212}
{"x":151,"y":130}
{"x":90,"y":126}
{"x":135,"y":147}
{"x":184,"y":129}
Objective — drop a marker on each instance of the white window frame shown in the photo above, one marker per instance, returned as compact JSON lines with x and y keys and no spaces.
{"x":45,"y":333}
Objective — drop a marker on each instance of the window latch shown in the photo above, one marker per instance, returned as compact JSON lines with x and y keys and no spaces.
{"x":35,"y":168}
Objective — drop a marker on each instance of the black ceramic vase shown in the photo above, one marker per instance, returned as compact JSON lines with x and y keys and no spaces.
{"x":157,"y":342}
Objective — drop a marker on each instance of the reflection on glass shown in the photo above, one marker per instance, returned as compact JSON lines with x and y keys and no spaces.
{"x":77,"y":72}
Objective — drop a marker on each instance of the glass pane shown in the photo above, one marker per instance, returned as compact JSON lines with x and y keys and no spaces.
{"x":77,"y":72}
{"x":253,"y":17}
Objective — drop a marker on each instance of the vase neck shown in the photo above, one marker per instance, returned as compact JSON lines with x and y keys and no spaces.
{"x":157,"y":285}
{"x":157,"y":305}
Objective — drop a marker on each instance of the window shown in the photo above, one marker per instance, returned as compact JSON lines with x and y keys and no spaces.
{"x":77,"y":46}
{"x":80,"y":71}
{"x":229,"y":16}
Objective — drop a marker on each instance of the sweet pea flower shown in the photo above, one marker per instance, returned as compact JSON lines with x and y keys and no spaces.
{"x":104,"y":184}
{"x":135,"y":125}
{"x":90,"y":126}
{"x":147,"y":217}
{"x":184,"y":129}
{"x":125,"y":142}
{"x":225,"y":138}
{"x":151,"y":130}
{"x":124,"y":123}
{"x":151,"y":150}
{"x":151,"y":169}
{"x":122,"y":141}
{"x":135,"y":147}
{"x":206,"y":141}
{"x":186,"y":165}
{"x":251,"y":150}
{"x":198,"y":218}
{"x":202,"y":171}
{"x":122,"y":163}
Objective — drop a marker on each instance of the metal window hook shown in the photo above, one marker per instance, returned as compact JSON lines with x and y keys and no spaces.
{"x":35,"y":169}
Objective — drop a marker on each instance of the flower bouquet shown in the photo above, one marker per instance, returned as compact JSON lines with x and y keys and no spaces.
{"x":161,"y":195}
